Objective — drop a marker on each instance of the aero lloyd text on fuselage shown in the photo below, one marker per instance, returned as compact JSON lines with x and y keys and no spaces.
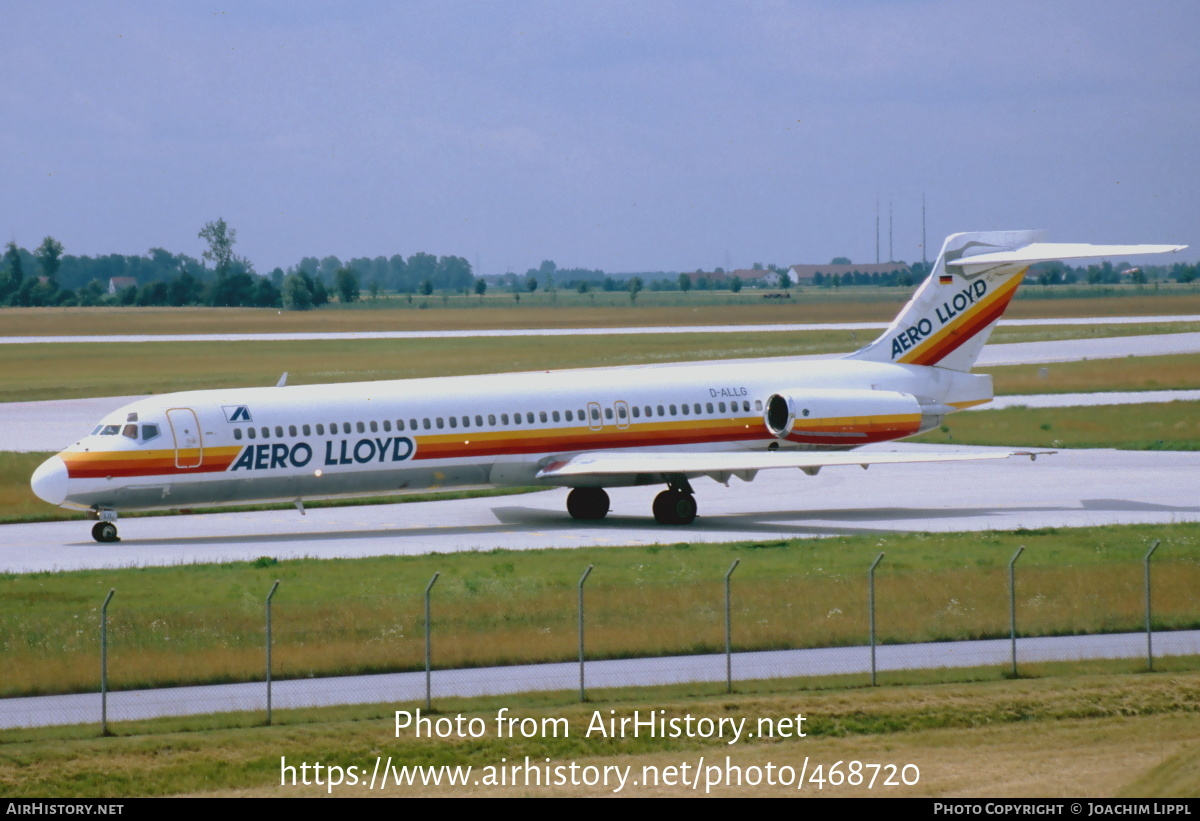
{"x":337,"y":452}
{"x":908,"y":338}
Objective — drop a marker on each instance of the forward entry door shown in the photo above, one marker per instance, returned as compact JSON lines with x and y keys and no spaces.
{"x":189,"y":445}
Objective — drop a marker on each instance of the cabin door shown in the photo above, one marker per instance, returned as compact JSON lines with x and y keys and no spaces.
{"x":189,"y":445}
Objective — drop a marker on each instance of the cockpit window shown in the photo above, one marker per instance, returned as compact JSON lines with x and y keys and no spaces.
{"x":97,"y":429}
{"x":110,"y":430}
{"x":129,"y":432}
{"x":149,"y":432}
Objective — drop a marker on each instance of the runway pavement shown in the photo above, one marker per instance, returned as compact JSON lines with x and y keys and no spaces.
{"x":52,"y":425}
{"x":1069,"y":489}
{"x":627,"y":331}
{"x":403,"y":689}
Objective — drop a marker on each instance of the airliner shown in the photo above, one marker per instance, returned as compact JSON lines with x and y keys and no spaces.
{"x":586,"y":429}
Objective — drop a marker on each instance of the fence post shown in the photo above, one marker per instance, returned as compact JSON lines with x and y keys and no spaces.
{"x":729,"y":631}
{"x":582,"y":688}
{"x":1012,"y":605}
{"x":871,"y":602}
{"x":270,"y":596}
{"x":1149,"y":632}
{"x":428,"y":679}
{"x":104,"y":662}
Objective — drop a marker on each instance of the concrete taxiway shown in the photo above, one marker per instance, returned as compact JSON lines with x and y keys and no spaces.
{"x":626,"y":331}
{"x":52,"y":425}
{"x":1069,"y":489}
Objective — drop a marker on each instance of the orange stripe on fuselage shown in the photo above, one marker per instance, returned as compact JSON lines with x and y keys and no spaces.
{"x":100,"y":464}
{"x":957,"y":333}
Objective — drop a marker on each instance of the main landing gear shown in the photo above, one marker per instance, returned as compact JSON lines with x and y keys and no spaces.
{"x":589,"y":503}
{"x":674,"y":507}
{"x":105,"y":530}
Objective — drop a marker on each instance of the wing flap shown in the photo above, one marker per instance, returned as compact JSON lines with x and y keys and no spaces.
{"x":736,"y":463}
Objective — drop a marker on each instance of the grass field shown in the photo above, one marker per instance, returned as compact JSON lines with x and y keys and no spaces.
{"x":1159,"y":426}
{"x":70,"y":370}
{"x":569,"y":310}
{"x":194,"y":624}
{"x":1128,"y":735}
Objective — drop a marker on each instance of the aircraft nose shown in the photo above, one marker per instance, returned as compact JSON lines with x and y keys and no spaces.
{"x":49,"y":481}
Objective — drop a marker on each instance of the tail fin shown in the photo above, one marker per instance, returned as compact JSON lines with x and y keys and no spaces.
{"x":951,"y":315}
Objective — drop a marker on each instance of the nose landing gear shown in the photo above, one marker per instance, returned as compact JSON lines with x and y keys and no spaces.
{"x":105,"y":530}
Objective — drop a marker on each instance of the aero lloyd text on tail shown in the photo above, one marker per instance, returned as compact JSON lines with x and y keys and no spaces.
{"x":583,"y":429}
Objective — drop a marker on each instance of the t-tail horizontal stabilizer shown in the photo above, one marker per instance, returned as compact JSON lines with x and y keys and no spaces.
{"x":949,"y":318}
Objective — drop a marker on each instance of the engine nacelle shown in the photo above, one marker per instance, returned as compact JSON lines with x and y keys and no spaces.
{"x":842,"y":417}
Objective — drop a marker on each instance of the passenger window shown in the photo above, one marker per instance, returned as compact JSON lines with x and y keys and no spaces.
{"x":504,"y":419}
{"x":250,"y":432}
{"x":636,"y":412}
{"x":361,"y":428}
{"x":569,"y":418}
{"x":684,"y":408}
{"x":672,"y":410}
{"x":266,"y":432}
{"x":746,"y":405}
{"x":621,"y":412}
{"x":555,"y":416}
{"x":581,"y":414}
{"x":542,"y":416}
{"x":709,"y":407}
{"x":387,"y":426}
{"x":307,"y":430}
{"x":440,"y":423}
{"x":608,"y":413}
{"x":478,"y":421}
{"x":320,"y":429}
{"x":529,"y":417}
{"x":453,"y":422}
{"x":492,"y":419}
{"x":374,"y":426}
{"x":399,"y":424}
{"x":291,"y":430}
{"x":595,"y":414}
{"x":237,"y":433}
{"x":413,"y":424}
{"x":758,"y":404}
{"x":426,"y":420}
{"x":660,"y":411}
{"x":466,"y":420}
{"x":696,"y":408}
{"x":279,"y":431}
{"x":721,"y":406}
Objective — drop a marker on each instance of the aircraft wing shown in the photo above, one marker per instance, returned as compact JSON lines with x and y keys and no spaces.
{"x":723,"y":464}
{"x":1047,"y":251}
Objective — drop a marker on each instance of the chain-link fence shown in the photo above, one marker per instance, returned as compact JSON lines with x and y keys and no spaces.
{"x":661,"y":623}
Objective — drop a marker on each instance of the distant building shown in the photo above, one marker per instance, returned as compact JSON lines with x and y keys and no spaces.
{"x":756,"y":278}
{"x":807,"y":274}
{"x":118,"y":284}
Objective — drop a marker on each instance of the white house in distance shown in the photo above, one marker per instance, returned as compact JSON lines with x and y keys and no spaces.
{"x":806,"y":274}
{"x":118,"y":284}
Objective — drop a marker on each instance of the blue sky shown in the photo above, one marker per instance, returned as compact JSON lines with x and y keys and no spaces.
{"x":622,"y":136}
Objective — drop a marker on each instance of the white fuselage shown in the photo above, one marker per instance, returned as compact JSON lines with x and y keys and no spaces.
{"x":234,"y":446}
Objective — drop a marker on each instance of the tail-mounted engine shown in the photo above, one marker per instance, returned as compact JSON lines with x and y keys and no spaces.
{"x":842,"y":417}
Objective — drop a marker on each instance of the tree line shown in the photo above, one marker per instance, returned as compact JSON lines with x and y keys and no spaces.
{"x":48,"y":277}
